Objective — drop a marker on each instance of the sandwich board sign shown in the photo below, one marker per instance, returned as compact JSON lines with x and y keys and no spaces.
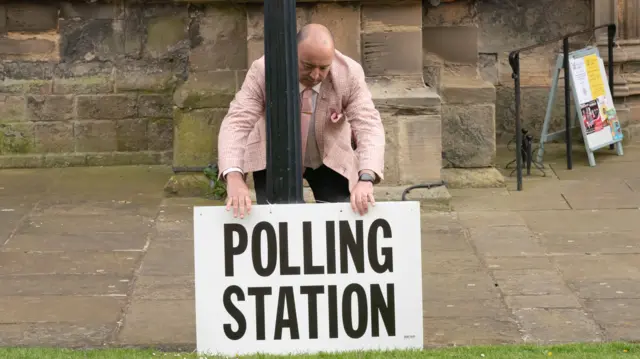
{"x":595,"y":110}
{"x":308,"y":278}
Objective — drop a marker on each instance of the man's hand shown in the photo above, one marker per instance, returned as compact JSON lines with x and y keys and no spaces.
{"x":238,"y":194}
{"x":361,"y":195}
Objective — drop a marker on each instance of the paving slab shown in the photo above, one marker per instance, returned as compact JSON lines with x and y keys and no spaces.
{"x":448,"y":331}
{"x":64,"y":284}
{"x":590,"y":242}
{"x":55,"y":335}
{"x":604,"y":220}
{"x":530,"y":282}
{"x":618,"y":317}
{"x":557,"y":326}
{"x":159,"y":322}
{"x":56,"y":309}
{"x":88,"y":262}
{"x":168,"y":258}
{"x":551,"y":301}
{"x":606,"y":289}
{"x":599,"y":267}
{"x":505,"y":241}
{"x":164,"y":288}
{"x":454,"y":286}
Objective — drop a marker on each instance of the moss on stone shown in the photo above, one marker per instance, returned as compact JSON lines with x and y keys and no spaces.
{"x":16,"y":138}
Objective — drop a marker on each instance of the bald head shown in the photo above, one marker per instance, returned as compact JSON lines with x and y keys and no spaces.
{"x":316,"y":50}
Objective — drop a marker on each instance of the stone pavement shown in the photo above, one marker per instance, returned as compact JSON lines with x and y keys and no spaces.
{"x":97,"y":256}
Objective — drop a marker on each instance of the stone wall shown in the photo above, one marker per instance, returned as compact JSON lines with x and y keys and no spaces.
{"x":484,"y":32}
{"x":89,"y":84}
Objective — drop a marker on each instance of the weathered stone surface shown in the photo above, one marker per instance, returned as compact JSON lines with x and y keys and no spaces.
{"x":487,"y":65}
{"x":21,"y":161}
{"x":124,"y":158}
{"x":164,"y":288}
{"x":160,"y":134}
{"x":530,"y":282}
{"x":155,"y":106}
{"x":132,"y":135}
{"x":85,"y":310}
{"x":143,"y":325}
{"x":392,"y":53}
{"x":12,"y":109}
{"x":344,"y":22}
{"x":206,"y":89}
{"x":95,"y":136}
{"x":149,"y":76}
{"x":49,"y":108}
{"x":505,"y":241}
{"x":83,"y":85}
{"x":470,"y":331}
{"x":438,"y":40}
{"x":390,"y":17}
{"x":106,"y":106}
{"x":9,"y":47}
{"x":456,"y":90}
{"x":420,"y":155}
{"x":469,"y":309}
{"x":546,"y":326}
{"x":16,"y":138}
{"x":31,"y":17}
{"x":196,"y":136}
{"x":168,"y":258}
{"x":167,"y":34}
{"x":66,"y":284}
{"x":54,"y":137}
{"x":552,"y":301}
{"x":25,"y":86}
{"x":87,"y":262}
{"x":55,"y":334}
{"x":468,"y":135}
{"x":220,"y":40}
{"x":457,"y":259}
{"x":463,"y":286}
{"x":605,"y":242}
{"x":618,"y":317}
{"x":598,"y":267}
{"x":472,"y":177}
{"x":90,"y":39}
{"x":609,"y":289}
{"x":64,"y":159}
{"x":70,"y":10}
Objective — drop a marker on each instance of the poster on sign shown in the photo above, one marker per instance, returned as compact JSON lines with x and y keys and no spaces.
{"x":308,"y":278}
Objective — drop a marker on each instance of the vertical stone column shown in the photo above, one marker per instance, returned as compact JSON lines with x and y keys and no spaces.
{"x":217,"y":65}
{"x":625,"y":14}
{"x":392,"y":60}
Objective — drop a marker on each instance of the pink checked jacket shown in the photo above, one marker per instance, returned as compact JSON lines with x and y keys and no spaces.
{"x":242,"y":136}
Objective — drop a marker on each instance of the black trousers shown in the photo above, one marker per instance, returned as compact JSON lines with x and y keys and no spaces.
{"x":326,"y":184}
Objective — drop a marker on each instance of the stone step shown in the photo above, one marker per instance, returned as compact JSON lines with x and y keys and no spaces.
{"x":467,"y":90}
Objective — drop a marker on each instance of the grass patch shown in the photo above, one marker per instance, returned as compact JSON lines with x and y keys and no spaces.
{"x":581,"y":351}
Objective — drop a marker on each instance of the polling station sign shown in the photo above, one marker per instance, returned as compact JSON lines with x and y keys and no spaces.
{"x":305,"y":278}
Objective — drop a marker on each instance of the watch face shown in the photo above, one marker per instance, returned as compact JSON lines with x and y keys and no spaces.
{"x":366,"y":177}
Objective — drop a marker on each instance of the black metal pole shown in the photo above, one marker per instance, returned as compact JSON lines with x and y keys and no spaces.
{"x":567,"y":100}
{"x":514,"y":61}
{"x":611,"y":33}
{"x":284,"y":167}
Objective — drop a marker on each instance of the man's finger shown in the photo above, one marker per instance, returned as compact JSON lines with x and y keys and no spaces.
{"x":241,"y":201}
{"x":371,"y":199}
{"x":229,"y":201}
{"x":363,"y":204}
{"x":353,"y":202}
{"x":235,"y":207}
{"x":248,"y":202}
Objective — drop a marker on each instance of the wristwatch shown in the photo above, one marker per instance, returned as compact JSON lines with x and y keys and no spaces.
{"x":366,"y":177}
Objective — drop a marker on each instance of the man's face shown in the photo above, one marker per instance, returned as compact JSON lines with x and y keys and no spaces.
{"x":313,"y":64}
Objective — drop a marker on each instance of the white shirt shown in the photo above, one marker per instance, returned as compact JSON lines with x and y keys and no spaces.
{"x":314,"y":97}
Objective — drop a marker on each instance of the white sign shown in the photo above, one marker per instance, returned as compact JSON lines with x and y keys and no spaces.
{"x":305,"y":278}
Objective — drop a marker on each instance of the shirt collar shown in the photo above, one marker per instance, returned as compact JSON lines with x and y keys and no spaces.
{"x":315,"y":88}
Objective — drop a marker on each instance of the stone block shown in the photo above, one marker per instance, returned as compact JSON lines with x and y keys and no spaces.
{"x":148,"y":76}
{"x":123,"y":158}
{"x":488,"y":67}
{"x":90,"y":39}
{"x":95,"y":136}
{"x":16,"y":138}
{"x":160,"y":134}
{"x":54,"y":137}
{"x":463,"y":90}
{"x":12,"y":108}
{"x":392,"y":146}
{"x":49,"y":108}
{"x":406,"y":95}
{"x":31,"y":17}
{"x":438,"y":40}
{"x":64,"y":160}
{"x":255,"y":49}
{"x":83,"y":85}
{"x":74,"y":10}
{"x":206,"y":89}
{"x":132,"y":135}
{"x":196,"y":136}
{"x":344,"y":22}
{"x":453,"y":13}
{"x":106,"y":106}
{"x":468,"y":135}
{"x":25,"y":86}
{"x":390,"y":17}
{"x":11,"y":48}
{"x":472,"y":177}
{"x":155,"y":105}
{"x":21,"y":161}
{"x":28,"y":70}
{"x":392,"y":53}
{"x":3,"y":19}
{"x":167,"y":35}
{"x":420,"y":147}
{"x":219,"y":40}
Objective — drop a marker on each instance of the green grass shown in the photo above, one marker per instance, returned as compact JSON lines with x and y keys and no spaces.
{"x":581,"y":351}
